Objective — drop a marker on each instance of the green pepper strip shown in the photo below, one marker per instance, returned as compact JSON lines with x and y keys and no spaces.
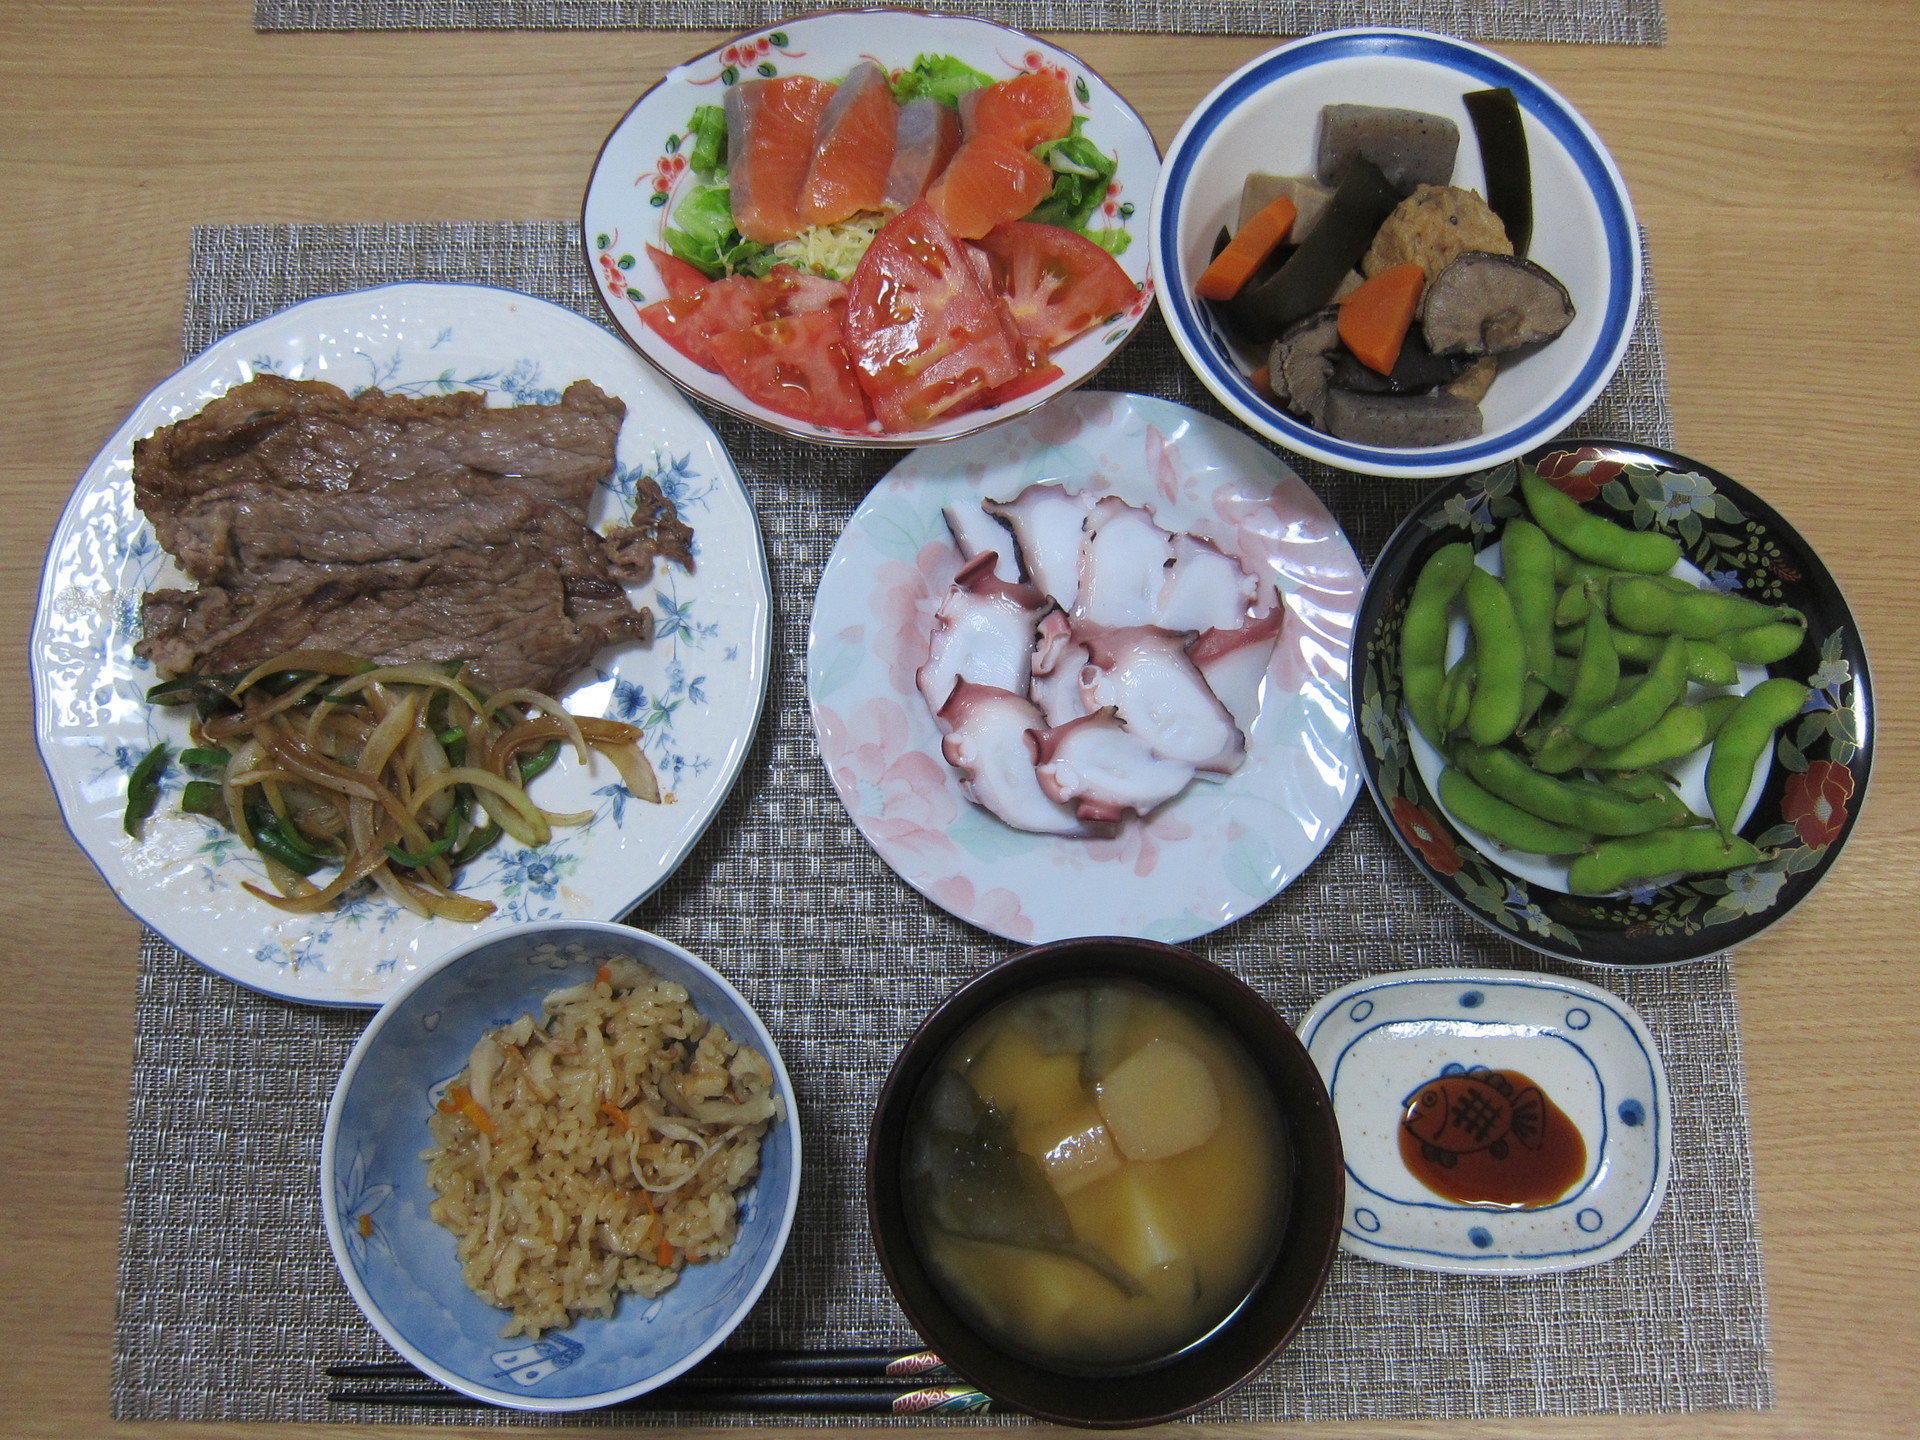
{"x":199,"y":759}
{"x":203,"y":797}
{"x":426,"y":856}
{"x":538,"y":761}
{"x":477,"y":842}
{"x":143,"y":789}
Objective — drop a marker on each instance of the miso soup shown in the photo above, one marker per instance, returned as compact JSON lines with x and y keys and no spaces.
{"x":1097,"y":1174}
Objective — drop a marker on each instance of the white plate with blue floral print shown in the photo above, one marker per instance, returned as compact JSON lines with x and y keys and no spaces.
{"x":1495,"y":1122}
{"x":696,"y":690}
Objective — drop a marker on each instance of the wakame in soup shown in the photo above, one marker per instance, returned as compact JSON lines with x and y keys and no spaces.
{"x":1097,"y":1174}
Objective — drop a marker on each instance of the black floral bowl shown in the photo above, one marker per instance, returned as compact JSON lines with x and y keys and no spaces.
{"x":1803,"y":808}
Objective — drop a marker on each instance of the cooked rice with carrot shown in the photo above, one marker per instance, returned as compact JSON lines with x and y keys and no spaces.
{"x":598,"y":1152}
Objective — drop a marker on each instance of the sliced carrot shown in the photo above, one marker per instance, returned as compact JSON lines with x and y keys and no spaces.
{"x":1261,"y":381}
{"x":603,"y":976}
{"x":1235,"y":265}
{"x":365,"y":1224}
{"x":614,"y":1113}
{"x":1375,"y":317}
{"x":465,"y":1104}
{"x":663,"y":1253}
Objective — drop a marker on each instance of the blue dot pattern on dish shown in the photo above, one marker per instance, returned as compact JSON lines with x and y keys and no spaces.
{"x":1471,"y":1000}
{"x":1366,"y":1220}
{"x":1632,"y":1112}
{"x":1480,"y":1236}
{"x":1361,"y":1009}
{"x":1578,"y":1019}
{"x":1589,"y":1220}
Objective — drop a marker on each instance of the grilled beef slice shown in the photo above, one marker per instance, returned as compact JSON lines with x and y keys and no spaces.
{"x":395,"y":528}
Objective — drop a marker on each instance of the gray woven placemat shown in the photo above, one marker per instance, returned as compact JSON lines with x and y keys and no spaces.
{"x":229,"y":1304}
{"x":1581,"y":22}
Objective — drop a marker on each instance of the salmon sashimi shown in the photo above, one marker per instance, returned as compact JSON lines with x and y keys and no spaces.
{"x":771,"y":129}
{"x":853,"y":153}
{"x":928,"y":134}
{"x":988,"y":182}
{"x":1026,"y":111}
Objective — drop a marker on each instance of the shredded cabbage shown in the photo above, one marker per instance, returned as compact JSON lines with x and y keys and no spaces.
{"x":832,"y":250}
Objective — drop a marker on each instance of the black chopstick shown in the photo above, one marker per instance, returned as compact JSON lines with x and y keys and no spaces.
{"x":804,"y":1399}
{"x":733,"y":1365}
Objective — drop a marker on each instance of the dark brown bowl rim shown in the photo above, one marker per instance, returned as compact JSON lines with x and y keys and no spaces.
{"x":1303,"y":1259}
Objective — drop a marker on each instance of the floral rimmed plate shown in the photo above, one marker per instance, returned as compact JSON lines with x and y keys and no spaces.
{"x":1380,"y":1042}
{"x":1801,"y":806}
{"x":642,"y":175}
{"x":696,"y":690}
{"x":1217,"y":851}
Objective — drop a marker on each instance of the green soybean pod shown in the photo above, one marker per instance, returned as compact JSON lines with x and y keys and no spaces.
{"x":1716,"y":710}
{"x":1648,"y":788}
{"x":1560,"y":675}
{"x":1570,"y":608}
{"x":1594,"y":681}
{"x":1526,"y":560}
{"x":1664,"y":684}
{"x":1594,"y":808}
{"x":1679,"y":732}
{"x":1708,"y":664}
{"x":1423,"y":634}
{"x":1504,"y":823}
{"x":1737,"y":748}
{"x":1641,"y":603}
{"x":1456,"y":693}
{"x":1763,"y":644}
{"x":1500,"y":675}
{"x":1614,"y":864}
{"x":1593,"y":538}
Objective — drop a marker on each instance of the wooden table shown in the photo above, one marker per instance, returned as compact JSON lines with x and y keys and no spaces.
{"x":1773,"y":151}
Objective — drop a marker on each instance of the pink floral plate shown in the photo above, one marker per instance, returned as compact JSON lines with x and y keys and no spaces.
{"x":1220,"y":849}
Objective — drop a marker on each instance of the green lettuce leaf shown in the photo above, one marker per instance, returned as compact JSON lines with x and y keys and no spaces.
{"x":703,"y":235}
{"x":1081,"y":173}
{"x":938,"y":77}
{"x":709,"y":126}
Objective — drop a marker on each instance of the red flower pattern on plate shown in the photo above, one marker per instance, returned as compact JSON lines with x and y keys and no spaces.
{"x":1579,"y":474}
{"x":1423,"y":832}
{"x":1815,"y":803}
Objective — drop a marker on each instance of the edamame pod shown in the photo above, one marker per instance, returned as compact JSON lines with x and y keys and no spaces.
{"x":1665,"y":683}
{"x":1500,"y":661}
{"x":1708,"y":663}
{"x":1423,"y":634}
{"x":1504,"y":823}
{"x":1615,"y":864}
{"x":1737,"y":748}
{"x":1649,"y":788}
{"x":1506,"y":776}
{"x":1456,"y":693}
{"x":1560,"y":675}
{"x":1641,"y":784}
{"x":1592,"y":537}
{"x":1643,"y":604}
{"x":1681,"y":731}
{"x":1571,"y":607}
{"x":1764,"y":644}
{"x":1526,"y":558}
{"x":1716,"y":710}
{"x":1594,"y":681}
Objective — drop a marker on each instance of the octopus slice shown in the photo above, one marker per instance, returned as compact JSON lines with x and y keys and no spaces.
{"x":1145,"y":673}
{"x":1205,"y":589}
{"x":982,"y":632}
{"x":976,"y":532}
{"x":991,"y":742}
{"x":1058,"y":660}
{"x":1103,"y":770}
{"x":1234,"y":663}
{"x":1047,"y":522}
{"x":1123,"y":566}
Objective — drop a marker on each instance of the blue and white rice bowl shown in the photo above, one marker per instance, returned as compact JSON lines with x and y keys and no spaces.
{"x":1265,"y":117}
{"x":401,"y":1266}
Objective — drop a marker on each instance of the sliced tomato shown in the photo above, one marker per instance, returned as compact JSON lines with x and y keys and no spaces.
{"x":690,"y":323}
{"x":796,"y":365}
{"x":1024,"y":385}
{"x":787,"y":291}
{"x":1057,"y":284}
{"x":680,"y":278}
{"x":927,"y":337}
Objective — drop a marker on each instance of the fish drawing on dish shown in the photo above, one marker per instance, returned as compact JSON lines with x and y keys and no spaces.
{"x":1079,"y":675}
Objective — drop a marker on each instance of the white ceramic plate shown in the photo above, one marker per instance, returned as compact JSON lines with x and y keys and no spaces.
{"x":1378,"y":1041}
{"x":1265,"y":116}
{"x":697,"y":689}
{"x":641,"y":176}
{"x":1213,"y":854}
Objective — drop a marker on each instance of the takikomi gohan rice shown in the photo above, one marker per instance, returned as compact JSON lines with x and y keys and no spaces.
{"x":599,"y":1152}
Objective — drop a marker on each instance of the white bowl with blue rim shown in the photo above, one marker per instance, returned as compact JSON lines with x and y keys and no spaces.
{"x":401,"y":1267}
{"x":1380,"y":1041}
{"x":1264,"y":117}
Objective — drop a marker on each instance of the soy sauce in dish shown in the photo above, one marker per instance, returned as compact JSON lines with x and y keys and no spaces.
{"x":1097,"y":1175}
{"x":1490,"y":1137}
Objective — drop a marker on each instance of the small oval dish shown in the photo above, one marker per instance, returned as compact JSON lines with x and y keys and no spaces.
{"x":1388,"y":1042}
{"x":1807,"y":788}
{"x":1263,"y":118}
{"x":646,"y":182}
{"x":401,"y":1266}
{"x":1283,"y":1291}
